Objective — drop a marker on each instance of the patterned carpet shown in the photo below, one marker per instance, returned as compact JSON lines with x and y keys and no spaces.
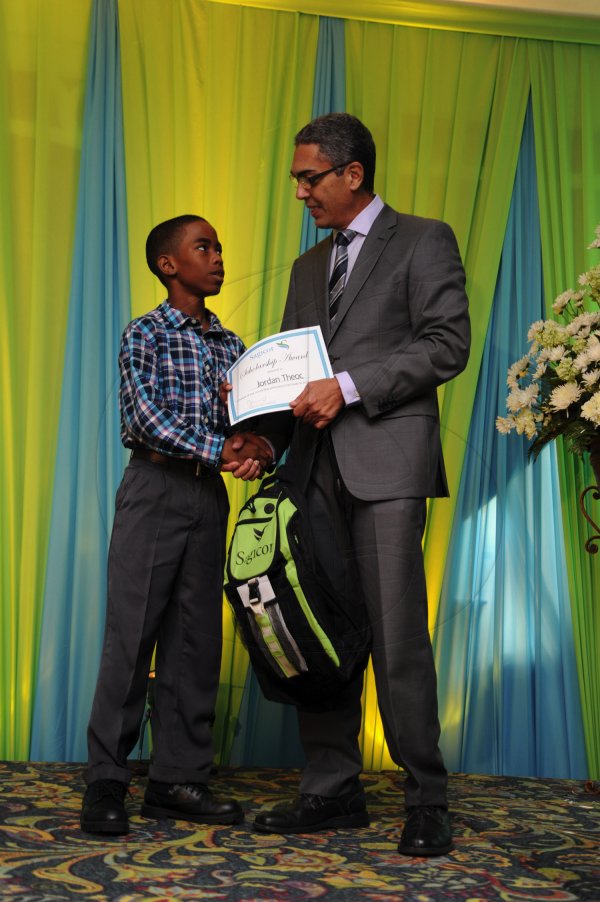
{"x":516,"y":839}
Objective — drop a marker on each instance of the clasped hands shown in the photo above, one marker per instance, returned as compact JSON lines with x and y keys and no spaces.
{"x":246,"y":455}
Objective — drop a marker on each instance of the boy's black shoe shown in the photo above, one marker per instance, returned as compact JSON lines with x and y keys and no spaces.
{"x":189,"y":802}
{"x":426,"y":832}
{"x":103,"y":810}
{"x":311,"y":813}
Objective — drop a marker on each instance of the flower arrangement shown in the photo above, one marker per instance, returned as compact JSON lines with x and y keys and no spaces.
{"x":555,"y":388}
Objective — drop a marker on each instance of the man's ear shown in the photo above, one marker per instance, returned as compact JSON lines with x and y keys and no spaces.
{"x":166,"y":265}
{"x":356,"y":175}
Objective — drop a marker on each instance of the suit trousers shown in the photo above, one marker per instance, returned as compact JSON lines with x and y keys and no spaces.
{"x":383,"y":539}
{"x":165,"y":587}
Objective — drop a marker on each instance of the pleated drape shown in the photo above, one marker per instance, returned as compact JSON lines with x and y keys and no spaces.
{"x":508,"y":690}
{"x":90,"y":458}
{"x":564,"y":80}
{"x":43,"y":60}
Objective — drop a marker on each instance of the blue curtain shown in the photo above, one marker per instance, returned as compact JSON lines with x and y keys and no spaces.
{"x":268,"y":732}
{"x":508,"y":690}
{"x":90,"y":457}
{"x":329,"y":97}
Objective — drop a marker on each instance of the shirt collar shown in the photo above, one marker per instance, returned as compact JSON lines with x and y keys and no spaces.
{"x":362,"y":223}
{"x":178,"y":319}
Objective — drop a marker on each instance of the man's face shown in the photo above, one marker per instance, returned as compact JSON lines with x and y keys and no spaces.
{"x":198,"y":260}
{"x":332,"y":200}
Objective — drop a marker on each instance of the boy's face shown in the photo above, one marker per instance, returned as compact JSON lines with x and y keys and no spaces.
{"x":197,"y":264}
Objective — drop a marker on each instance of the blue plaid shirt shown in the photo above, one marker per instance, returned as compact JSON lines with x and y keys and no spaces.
{"x":170,"y":376}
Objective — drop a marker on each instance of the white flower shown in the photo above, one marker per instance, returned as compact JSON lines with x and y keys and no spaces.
{"x":535,"y":330}
{"x":591,"y":409}
{"x":593,"y":349}
{"x":564,"y":395}
{"x":582,"y":361}
{"x":596,"y":242}
{"x":555,"y":354}
{"x":521,"y":397}
{"x":516,"y":371}
{"x":563,"y":300}
{"x":525,"y":423}
{"x":591,"y":377}
{"x":504,"y":424}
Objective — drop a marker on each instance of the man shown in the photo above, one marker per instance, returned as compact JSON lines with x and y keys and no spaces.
{"x":388,"y":292}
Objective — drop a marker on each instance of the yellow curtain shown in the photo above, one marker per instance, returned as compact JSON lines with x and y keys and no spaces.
{"x":213,"y":96}
{"x":446,"y":111}
{"x":43,"y":59}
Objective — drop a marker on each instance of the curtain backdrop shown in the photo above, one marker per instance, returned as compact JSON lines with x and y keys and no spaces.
{"x":567,"y":129}
{"x":504,"y":640}
{"x":43,"y":60}
{"x":90,"y":458}
{"x":208,"y":125}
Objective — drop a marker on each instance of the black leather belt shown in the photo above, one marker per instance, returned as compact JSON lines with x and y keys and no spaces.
{"x":179,"y":464}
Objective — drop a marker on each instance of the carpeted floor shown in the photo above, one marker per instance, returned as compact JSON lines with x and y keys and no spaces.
{"x":516,"y":839}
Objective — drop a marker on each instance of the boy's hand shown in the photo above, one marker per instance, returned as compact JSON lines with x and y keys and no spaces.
{"x":246,"y":455}
{"x":224,"y":389}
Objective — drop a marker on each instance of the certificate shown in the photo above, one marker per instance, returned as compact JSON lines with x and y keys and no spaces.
{"x":274,"y":371}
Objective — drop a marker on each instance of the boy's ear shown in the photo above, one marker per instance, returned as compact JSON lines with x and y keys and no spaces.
{"x":166,"y":265}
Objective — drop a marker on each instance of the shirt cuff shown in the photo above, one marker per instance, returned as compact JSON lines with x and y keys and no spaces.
{"x":348,"y":388}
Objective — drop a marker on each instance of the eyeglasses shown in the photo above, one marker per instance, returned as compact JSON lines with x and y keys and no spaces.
{"x":309,"y":181}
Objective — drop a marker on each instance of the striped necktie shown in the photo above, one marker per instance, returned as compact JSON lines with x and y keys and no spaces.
{"x":338,"y":276}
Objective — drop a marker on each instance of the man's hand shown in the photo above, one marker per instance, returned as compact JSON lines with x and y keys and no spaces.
{"x":246,"y":455}
{"x":319,"y":403}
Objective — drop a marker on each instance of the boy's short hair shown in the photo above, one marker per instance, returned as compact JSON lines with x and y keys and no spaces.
{"x":342,"y":138}
{"x":165,"y":238}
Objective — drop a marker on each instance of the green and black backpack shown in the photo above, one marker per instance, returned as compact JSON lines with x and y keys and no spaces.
{"x":305,"y":642}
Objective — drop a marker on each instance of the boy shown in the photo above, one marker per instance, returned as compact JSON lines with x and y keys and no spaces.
{"x":166,"y":558}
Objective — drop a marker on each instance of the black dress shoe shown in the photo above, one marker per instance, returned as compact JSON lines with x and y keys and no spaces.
{"x":426,"y":832}
{"x":189,"y":802}
{"x":310,"y":813}
{"x":103,"y":810}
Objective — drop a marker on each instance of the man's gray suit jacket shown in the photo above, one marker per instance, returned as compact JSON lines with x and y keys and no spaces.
{"x":401,"y":330}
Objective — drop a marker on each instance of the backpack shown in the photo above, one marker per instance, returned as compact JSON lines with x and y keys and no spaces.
{"x":305,"y":641}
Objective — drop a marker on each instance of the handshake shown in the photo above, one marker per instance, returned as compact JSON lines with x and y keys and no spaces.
{"x":246,"y":455}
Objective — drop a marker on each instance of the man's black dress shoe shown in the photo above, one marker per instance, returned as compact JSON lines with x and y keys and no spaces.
{"x":103,"y":810}
{"x":426,"y":832}
{"x":310,"y":813}
{"x":189,"y":802}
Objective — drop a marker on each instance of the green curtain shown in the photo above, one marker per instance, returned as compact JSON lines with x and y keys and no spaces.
{"x":212,"y":97}
{"x":564,"y":82}
{"x":446,"y":111}
{"x":451,"y":16}
{"x":43,"y":59}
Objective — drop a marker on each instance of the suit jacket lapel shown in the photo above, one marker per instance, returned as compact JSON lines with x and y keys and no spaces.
{"x":380,"y":233}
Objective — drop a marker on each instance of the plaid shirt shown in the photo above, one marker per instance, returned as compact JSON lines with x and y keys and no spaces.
{"x":170,"y":376}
